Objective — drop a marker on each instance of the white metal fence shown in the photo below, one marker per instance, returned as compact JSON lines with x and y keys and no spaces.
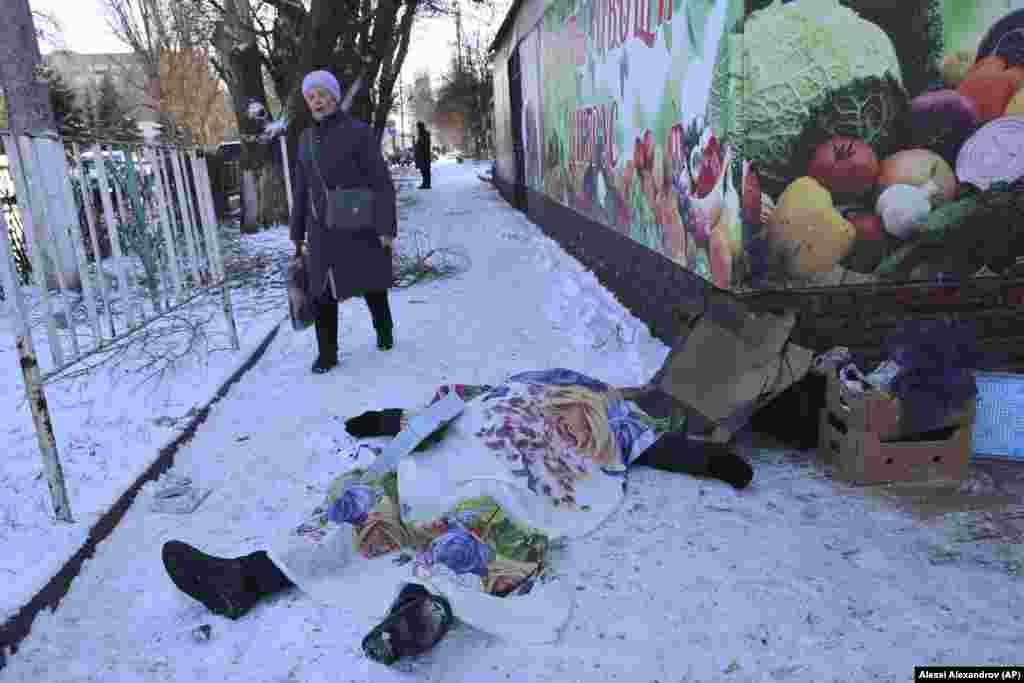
{"x":106,"y":239}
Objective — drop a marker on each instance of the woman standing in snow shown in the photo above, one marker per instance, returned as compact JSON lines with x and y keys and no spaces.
{"x":338,"y":152}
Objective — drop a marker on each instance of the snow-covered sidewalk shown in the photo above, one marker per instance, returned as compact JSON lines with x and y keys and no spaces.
{"x":797,"y":578}
{"x":111,"y":422}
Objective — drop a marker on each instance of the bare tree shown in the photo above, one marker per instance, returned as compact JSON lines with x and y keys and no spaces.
{"x":241,"y":66}
{"x":193,"y":95}
{"x":278,"y":41}
{"x":49,"y":29}
{"x":423,"y":101}
{"x":464,"y":99}
{"x":347,"y":37}
{"x":25,"y":85}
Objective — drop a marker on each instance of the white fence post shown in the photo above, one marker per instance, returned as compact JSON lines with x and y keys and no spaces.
{"x":188,"y":171}
{"x":56,"y":171}
{"x":28,"y":219}
{"x":186,"y":219}
{"x":202,"y":249}
{"x":163,"y":179}
{"x":124,"y":214}
{"x":165,"y":220}
{"x":191,"y":168}
{"x":32,"y":167}
{"x":287,"y":171}
{"x":33,"y":384}
{"x":207,"y":216}
{"x":187,"y":211}
{"x":214,"y":242}
{"x":90,"y":219}
{"x":125,"y":285}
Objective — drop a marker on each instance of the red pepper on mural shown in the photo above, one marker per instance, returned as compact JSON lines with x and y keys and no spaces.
{"x":710,"y":168}
{"x":643,"y":152}
{"x":677,"y":145}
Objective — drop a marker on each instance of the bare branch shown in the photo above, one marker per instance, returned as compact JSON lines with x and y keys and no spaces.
{"x":49,"y":28}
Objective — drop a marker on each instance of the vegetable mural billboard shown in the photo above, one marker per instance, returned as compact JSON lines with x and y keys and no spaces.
{"x":787,"y":143}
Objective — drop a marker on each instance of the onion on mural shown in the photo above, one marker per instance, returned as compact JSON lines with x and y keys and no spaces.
{"x":803,"y":143}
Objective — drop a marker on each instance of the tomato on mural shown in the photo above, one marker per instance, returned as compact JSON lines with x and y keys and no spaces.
{"x":807,"y":142}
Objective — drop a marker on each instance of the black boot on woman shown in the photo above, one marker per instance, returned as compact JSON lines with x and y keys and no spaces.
{"x":676,"y":452}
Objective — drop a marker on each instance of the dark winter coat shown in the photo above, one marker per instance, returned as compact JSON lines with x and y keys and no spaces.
{"x":348,"y":156}
{"x":423,"y":152}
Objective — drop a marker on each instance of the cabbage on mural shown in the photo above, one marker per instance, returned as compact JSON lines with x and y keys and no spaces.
{"x":808,"y":142}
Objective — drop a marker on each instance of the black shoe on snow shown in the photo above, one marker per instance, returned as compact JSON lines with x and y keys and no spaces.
{"x":385,"y":340}
{"x":731,"y":468}
{"x":375,"y":423}
{"x":220,"y":584}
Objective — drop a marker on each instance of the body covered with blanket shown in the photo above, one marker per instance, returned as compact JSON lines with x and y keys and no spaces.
{"x":474,"y":510}
{"x":475,"y":513}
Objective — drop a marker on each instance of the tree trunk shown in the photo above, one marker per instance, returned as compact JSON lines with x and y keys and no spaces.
{"x":235,"y":41}
{"x":29,"y":112}
{"x":215,"y":163}
{"x":395,"y":59}
{"x":320,"y":31}
{"x":250,"y":198}
{"x":273,"y":205}
{"x":28,"y":95}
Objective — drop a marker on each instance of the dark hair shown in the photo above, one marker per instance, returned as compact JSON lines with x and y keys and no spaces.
{"x":421,"y":125}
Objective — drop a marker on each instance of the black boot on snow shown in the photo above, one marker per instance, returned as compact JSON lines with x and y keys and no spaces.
{"x":375,"y":423}
{"x":228,"y":587}
{"x":731,"y":468}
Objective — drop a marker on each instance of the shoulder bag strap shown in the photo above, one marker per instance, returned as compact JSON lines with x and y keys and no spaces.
{"x":312,"y":200}
{"x":316,"y":166}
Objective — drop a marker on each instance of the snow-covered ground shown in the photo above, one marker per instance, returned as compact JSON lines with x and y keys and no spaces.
{"x":798,"y":578}
{"x":111,"y":422}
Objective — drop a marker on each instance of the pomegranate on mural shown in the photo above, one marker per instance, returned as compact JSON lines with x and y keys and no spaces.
{"x":808,"y":142}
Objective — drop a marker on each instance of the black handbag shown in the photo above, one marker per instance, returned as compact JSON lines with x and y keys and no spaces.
{"x":348,"y":209}
{"x":301,"y":306}
{"x":417,"y":620}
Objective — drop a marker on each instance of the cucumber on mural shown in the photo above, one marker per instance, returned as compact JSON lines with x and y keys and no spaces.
{"x":803,"y":143}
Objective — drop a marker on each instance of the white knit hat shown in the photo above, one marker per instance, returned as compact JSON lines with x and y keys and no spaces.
{"x":321,"y":79}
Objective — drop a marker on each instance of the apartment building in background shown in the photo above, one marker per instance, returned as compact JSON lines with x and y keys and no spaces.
{"x":85,"y":72}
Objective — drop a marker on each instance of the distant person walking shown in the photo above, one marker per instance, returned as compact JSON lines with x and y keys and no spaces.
{"x":423,"y":153}
{"x":340,"y":152}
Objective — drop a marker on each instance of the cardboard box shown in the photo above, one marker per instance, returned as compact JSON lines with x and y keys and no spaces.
{"x":860,"y":435}
{"x":725,"y":370}
{"x":873,"y":411}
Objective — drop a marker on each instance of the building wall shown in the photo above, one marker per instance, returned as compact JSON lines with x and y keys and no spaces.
{"x":530,"y":14}
{"x":682,"y":124}
{"x":503,"y":153}
{"x":631,"y":184}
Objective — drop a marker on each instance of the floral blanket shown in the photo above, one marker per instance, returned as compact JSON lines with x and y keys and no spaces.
{"x":475,"y":511}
